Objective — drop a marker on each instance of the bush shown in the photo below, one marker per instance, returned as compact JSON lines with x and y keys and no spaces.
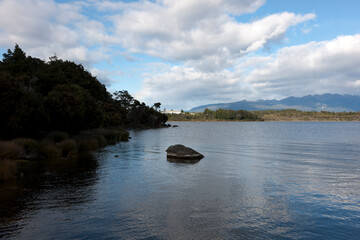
{"x":103,"y":136}
{"x":124,"y":136}
{"x":93,"y":144}
{"x":10,"y":150}
{"x":88,"y":145}
{"x":27,"y":144}
{"x":49,"y":150}
{"x":7,"y":169}
{"x":68,"y":148}
{"x":102,"y":141}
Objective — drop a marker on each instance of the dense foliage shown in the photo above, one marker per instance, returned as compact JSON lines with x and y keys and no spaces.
{"x":37,"y":97}
{"x":218,"y":115}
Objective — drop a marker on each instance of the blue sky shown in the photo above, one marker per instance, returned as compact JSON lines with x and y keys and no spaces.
{"x":185,"y":53}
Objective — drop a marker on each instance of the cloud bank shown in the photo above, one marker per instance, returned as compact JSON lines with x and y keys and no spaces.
{"x":312,"y":68}
{"x":200,"y":33}
{"x":206,"y":52}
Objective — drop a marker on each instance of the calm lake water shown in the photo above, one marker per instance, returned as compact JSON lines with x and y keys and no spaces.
{"x":258,"y":180}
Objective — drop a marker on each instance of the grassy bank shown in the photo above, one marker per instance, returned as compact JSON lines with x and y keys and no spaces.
{"x":296,"y":115}
{"x":267,"y":115}
{"x":56,"y":145}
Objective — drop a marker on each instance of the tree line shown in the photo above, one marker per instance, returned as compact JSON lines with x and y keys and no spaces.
{"x":218,"y":115}
{"x":37,"y":97}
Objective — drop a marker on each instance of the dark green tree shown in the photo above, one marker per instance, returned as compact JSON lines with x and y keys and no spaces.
{"x":71,"y":108}
{"x":124,"y":99}
{"x":37,"y":97}
{"x":157,"y":106}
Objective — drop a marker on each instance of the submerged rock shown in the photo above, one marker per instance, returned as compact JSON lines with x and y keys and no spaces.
{"x":180,"y":153}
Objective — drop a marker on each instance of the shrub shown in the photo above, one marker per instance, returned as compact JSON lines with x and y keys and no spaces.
{"x":7,"y":169}
{"x":88,"y":145}
{"x":93,"y":144}
{"x":125,"y":136}
{"x":68,"y":148}
{"x":49,"y":150}
{"x":10,"y":150}
{"x":114,"y":135}
{"x":27,"y":144}
{"x":102,"y":141}
{"x":109,"y":134}
{"x":103,"y":136}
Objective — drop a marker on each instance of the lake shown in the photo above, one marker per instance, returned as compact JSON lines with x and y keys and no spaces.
{"x":258,"y":180}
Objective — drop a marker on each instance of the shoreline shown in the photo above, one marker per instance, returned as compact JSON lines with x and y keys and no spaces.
{"x":287,"y":115}
{"x":265,"y":121}
{"x":58,"y":145}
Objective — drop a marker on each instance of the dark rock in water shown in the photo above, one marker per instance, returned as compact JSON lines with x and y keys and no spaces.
{"x":180,"y":153}
{"x":174,"y":126}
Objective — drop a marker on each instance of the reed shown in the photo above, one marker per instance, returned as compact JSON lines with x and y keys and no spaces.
{"x":27,"y":144}
{"x":49,"y":150}
{"x":10,"y":150}
{"x":7,"y":169}
{"x":104,"y":136}
{"x":102,"y":141}
{"x":68,"y":148}
{"x":59,"y":145}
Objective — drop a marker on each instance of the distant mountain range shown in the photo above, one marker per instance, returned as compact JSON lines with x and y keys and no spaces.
{"x":325,"y":102}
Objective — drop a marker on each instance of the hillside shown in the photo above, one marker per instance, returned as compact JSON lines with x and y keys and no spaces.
{"x":326,"y":102}
{"x":38,"y":97}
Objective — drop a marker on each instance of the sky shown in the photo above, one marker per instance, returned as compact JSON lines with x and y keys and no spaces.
{"x":186,"y":53}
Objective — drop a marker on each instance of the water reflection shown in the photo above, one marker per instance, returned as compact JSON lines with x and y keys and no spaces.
{"x":183,"y":161}
{"x":56,"y":184}
{"x":257,"y":180}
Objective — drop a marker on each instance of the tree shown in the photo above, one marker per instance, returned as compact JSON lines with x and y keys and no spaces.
{"x":72,"y":108}
{"x":157,"y":106}
{"x":15,"y":61}
{"x":124,"y":98}
{"x":15,"y":56}
{"x":38,"y":96}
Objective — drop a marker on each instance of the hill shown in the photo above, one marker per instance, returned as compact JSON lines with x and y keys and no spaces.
{"x":38,"y":97}
{"x":326,"y":102}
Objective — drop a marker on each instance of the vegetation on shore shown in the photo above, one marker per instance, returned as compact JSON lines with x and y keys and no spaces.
{"x":38,"y":97}
{"x":218,"y":115}
{"x":296,"y":115}
{"x":57,"y":109}
{"x":267,"y":115}
{"x":55,"y":146}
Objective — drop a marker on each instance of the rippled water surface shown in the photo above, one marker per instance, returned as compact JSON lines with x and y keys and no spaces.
{"x":279,"y":180}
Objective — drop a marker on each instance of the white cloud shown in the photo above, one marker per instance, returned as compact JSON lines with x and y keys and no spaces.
{"x":312,"y":68}
{"x":204,"y":38}
{"x":102,"y":76}
{"x":44,"y":27}
{"x":187,"y":87}
{"x":201,"y":33}
{"x":316,"y":67}
{"x":355,"y":83}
